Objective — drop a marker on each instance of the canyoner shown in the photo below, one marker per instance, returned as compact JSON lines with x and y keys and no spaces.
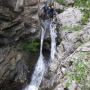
{"x":47,"y":23}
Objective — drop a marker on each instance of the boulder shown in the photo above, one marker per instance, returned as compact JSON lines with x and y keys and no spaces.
{"x":70,"y":16}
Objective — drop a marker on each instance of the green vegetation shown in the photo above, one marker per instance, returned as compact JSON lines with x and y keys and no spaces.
{"x":80,"y":70}
{"x":86,"y":15}
{"x":84,"y":6}
{"x":82,"y":3}
{"x":72,"y":28}
{"x":30,"y":46}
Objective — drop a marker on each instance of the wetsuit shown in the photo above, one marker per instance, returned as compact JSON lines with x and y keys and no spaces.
{"x":51,"y":13}
{"x":47,"y":13}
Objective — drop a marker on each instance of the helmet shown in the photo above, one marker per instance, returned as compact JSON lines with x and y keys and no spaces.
{"x":50,"y":3}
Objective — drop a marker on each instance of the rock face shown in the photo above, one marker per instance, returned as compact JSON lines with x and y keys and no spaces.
{"x":16,"y":24}
{"x":79,"y":56}
{"x":12,"y":66}
{"x":16,"y":21}
{"x":69,"y":16}
{"x":11,"y":26}
{"x":31,"y":20}
{"x":56,"y":78}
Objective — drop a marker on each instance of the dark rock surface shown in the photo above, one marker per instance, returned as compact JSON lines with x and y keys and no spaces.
{"x":12,"y":66}
{"x":16,"y":24}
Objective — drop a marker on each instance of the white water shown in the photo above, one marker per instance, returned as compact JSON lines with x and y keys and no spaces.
{"x":39,"y":69}
{"x":40,"y":66}
{"x":19,"y":3}
{"x":53,"y":41}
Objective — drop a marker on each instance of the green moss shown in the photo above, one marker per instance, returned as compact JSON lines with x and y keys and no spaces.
{"x":84,"y":5}
{"x":80,"y":69}
{"x":30,"y":46}
{"x":85,"y":17}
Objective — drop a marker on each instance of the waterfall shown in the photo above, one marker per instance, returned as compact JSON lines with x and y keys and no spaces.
{"x":39,"y":69}
{"x":40,"y":66}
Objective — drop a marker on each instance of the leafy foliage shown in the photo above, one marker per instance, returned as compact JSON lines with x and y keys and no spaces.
{"x":84,"y":5}
{"x":30,"y":46}
{"x":80,"y":70}
{"x":86,"y":15}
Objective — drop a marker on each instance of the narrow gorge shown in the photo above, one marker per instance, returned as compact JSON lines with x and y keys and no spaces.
{"x":54,"y":55}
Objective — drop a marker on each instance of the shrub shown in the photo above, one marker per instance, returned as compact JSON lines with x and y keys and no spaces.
{"x":84,"y":5}
{"x":80,"y":70}
{"x":86,"y":15}
{"x":30,"y":46}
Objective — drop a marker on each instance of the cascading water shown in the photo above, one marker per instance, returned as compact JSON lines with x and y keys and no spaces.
{"x":53,"y":41}
{"x":39,"y":69}
{"x":40,"y":66}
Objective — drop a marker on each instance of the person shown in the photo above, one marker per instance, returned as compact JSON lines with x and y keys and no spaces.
{"x":51,"y":11}
{"x":47,"y":16}
{"x":47,"y":12}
